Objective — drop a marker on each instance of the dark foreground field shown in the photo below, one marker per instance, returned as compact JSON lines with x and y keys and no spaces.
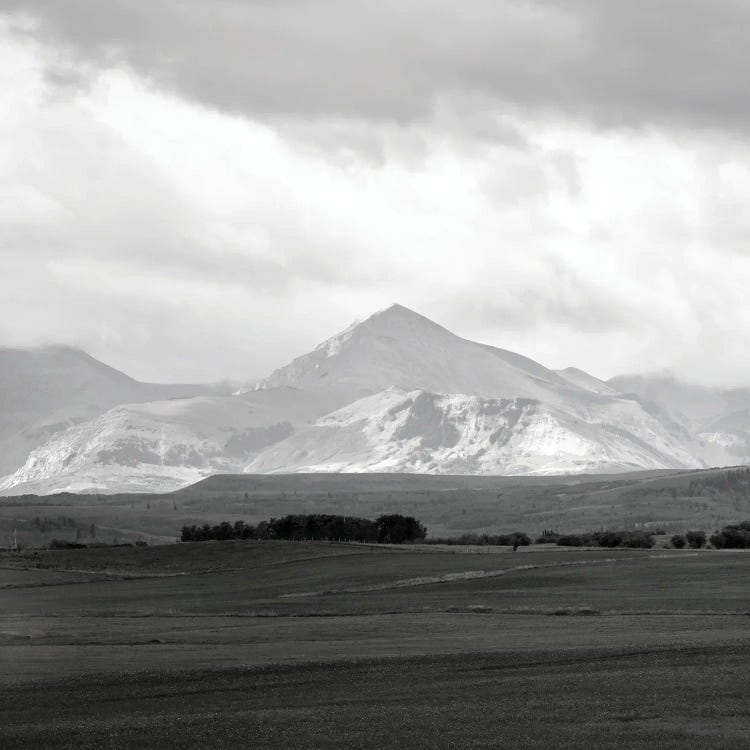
{"x":273,"y":644}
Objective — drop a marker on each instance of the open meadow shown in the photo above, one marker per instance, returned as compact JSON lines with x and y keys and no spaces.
{"x":448,"y":505}
{"x":315,"y":644}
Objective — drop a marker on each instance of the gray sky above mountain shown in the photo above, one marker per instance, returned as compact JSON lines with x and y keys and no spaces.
{"x":191,"y":190}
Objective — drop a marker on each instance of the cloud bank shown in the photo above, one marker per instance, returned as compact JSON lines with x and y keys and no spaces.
{"x":196,"y":190}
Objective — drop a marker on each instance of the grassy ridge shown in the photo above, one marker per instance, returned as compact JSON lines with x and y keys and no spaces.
{"x":448,"y":505}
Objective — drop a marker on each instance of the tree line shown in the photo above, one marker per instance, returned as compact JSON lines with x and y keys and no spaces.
{"x":630,"y":539}
{"x":734,"y":536}
{"x":386,"y":529}
{"x":515,"y":539}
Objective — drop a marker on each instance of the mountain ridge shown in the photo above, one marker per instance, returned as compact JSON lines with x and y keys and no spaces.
{"x":396,"y":391}
{"x":44,"y":390}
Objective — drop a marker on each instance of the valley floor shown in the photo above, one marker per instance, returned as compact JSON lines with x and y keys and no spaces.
{"x":274,"y":644}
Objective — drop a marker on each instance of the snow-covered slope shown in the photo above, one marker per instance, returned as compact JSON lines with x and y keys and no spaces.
{"x":396,"y":392}
{"x":717,"y":419}
{"x":426,"y":432}
{"x":400,"y":348}
{"x":731,"y":432}
{"x":162,"y":445}
{"x":44,"y":391}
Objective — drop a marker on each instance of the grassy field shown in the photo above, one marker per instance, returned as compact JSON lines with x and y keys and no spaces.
{"x":448,"y":505}
{"x":276,"y":644}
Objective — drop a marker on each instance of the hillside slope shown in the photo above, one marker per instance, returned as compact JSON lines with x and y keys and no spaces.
{"x":396,"y":392}
{"x":162,"y":445}
{"x":396,"y":431}
{"x":44,"y":391}
{"x":400,"y":348}
{"x":718,"y":418}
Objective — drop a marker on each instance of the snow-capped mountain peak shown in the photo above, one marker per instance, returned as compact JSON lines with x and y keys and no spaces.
{"x":394,"y":392}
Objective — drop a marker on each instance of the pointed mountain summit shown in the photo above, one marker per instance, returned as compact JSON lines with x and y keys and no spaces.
{"x":395,"y":392}
{"x":400,"y":348}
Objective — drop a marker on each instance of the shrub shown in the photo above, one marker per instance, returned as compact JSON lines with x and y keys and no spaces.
{"x":678,"y":541}
{"x":732,"y":537}
{"x":64,"y":544}
{"x":696,"y":539}
{"x":610,"y":539}
{"x":547,"y":539}
{"x":637,"y":540}
{"x":519,"y":539}
{"x":571,"y":540}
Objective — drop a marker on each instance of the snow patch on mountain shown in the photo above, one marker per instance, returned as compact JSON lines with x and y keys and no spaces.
{"x":396,"y":392}
{"x":426,"y":432}
{"x":162,"y":445}
{"x":400,"y":348}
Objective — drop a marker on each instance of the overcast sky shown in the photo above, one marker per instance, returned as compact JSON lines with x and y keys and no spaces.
{"x":200,"y":189}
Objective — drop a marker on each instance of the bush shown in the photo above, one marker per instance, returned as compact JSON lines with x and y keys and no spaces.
{"x":572,"y":540}
{"x":678,"y":541}
{"x":637,"y":540}
{"x":732,"y":537}
{"x":547,"y":539}
{"x":64,"y":544}
{"x":608,"y":539}
{"x":516,"y":539}
{"x":696,"y":539}
{"x":396,"y":529}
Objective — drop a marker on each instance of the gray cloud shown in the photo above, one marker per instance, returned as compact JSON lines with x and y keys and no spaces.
{"x":612,"y":62}
{"x":424,"y":155}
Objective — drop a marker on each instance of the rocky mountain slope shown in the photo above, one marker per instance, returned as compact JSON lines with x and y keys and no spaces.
{"x":396,"y":431}
{"x":44,"y":391}
{"x":161,"y":445}
{"x":396,"y":392}
{"x":400,"y":348}
{"x":718,"y":418}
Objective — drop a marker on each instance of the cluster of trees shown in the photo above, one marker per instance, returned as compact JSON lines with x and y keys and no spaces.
{"x":693,"y":539}
{"x":735,"y":536}
{"x":632,"y":539}
{"x":392,"y":528}
{"x":516,"y":539}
